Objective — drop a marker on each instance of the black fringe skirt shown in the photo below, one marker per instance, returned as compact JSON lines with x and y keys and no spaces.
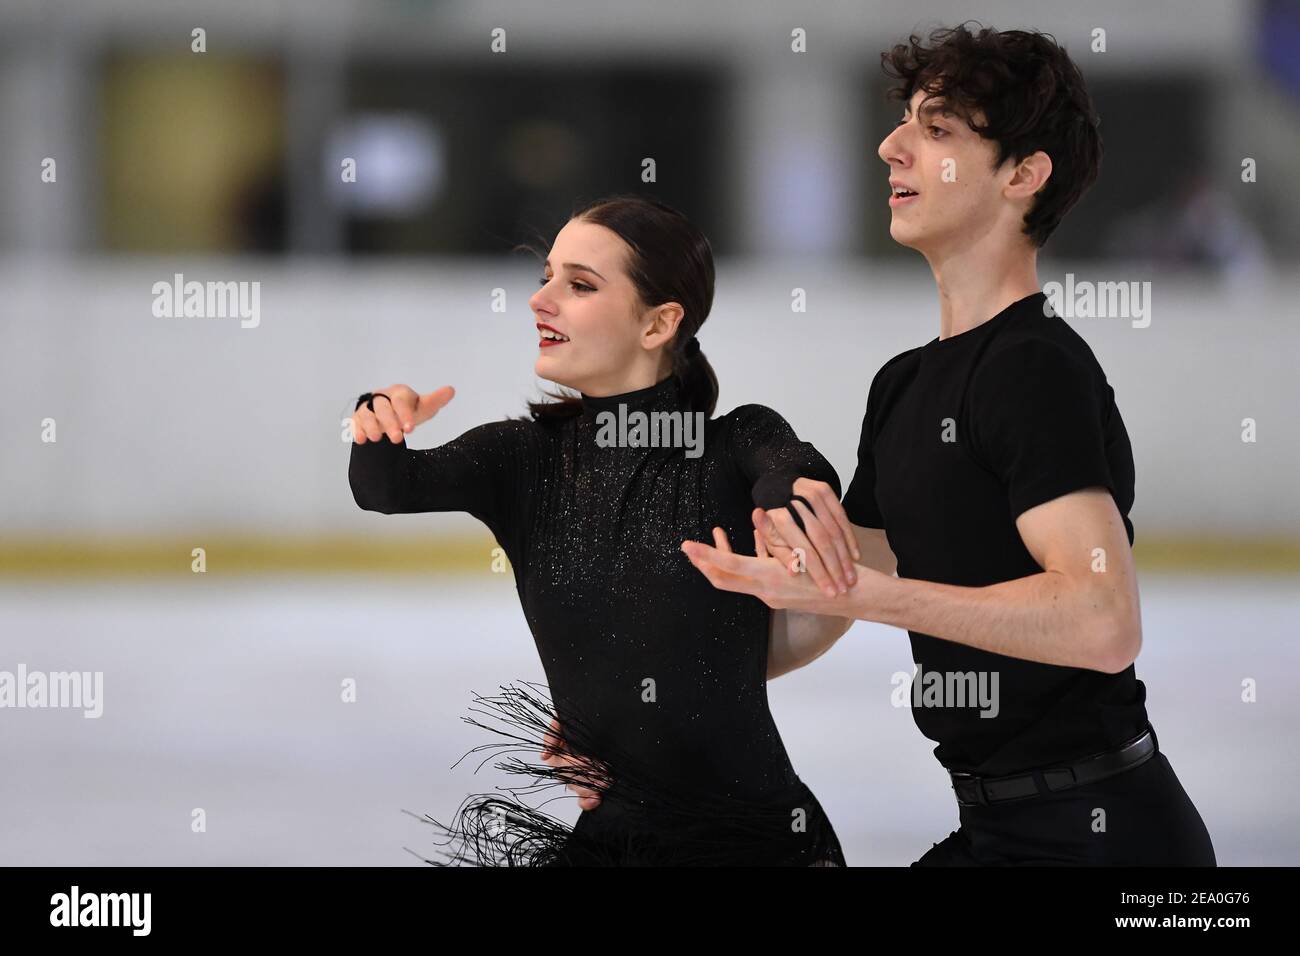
{"x":641,"y":820}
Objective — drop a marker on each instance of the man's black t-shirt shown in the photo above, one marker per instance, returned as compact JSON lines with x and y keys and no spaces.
{"x":961,"y":436}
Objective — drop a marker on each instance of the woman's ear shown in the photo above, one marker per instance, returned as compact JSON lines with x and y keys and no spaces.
{"x":664,"y":322}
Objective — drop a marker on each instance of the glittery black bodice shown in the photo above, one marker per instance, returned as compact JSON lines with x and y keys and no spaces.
{"x":663,"y":669}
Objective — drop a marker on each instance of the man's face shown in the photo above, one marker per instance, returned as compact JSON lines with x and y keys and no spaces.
{"x":952,"y":192}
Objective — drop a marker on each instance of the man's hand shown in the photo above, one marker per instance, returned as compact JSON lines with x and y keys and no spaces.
{"x":768,"y":578}
{"x":401,"y":412}
{"x":556,"y":753}
{"x":826,"y":548}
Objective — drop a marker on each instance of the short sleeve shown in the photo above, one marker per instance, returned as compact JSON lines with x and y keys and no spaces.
{"x":860,"y":500}
{"x":770,"y":456}
{"x":1038,"y":421}
{"x":478,"y":472}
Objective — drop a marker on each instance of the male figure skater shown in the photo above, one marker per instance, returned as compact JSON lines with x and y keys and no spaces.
{"x":995,"y":466}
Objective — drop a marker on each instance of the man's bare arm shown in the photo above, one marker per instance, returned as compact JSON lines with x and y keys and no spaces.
{"x":876,"y":552}
{"x":1082,"y":610}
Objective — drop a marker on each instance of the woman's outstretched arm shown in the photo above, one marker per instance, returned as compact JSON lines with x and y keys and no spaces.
{"x":476,"y":472}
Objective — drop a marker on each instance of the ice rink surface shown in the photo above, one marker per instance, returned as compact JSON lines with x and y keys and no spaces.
{"x":227,"y":697}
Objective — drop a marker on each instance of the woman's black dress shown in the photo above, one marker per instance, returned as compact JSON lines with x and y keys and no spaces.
{"x":652,"y":672}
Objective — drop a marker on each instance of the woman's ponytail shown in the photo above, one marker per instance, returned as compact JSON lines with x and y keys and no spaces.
{"x":699,"y":383}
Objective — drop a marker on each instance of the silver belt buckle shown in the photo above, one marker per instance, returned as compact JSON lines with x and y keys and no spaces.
{"x":981,"y":796}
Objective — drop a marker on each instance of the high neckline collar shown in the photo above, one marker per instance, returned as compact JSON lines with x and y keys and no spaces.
{"x":662,"y":396}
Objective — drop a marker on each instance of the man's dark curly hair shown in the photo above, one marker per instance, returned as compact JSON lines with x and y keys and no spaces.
{"x":1029,"y":95}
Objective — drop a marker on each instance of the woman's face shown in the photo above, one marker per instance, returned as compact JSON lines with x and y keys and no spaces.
{"x":595,"y":335}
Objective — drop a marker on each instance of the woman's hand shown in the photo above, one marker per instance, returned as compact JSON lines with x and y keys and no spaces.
{"x":401,"y":412}
{"x":826,"y":548}
{"x":555,"y":753}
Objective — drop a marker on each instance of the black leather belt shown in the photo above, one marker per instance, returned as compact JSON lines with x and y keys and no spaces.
{"x":975,"y":791}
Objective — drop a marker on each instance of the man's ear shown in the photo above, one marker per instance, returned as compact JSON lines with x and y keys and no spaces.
{"x":1029,"y":176}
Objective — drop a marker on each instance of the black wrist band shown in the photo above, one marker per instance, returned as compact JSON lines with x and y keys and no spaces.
{"x":794,"y":513}
{"x":369,"y":399}
{"x":776,"y":490}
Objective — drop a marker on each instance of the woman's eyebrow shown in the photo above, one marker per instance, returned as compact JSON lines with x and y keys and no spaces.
{"x":579,"y":267}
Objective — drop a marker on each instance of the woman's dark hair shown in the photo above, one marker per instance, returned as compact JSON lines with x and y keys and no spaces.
{"x":669,"y":261}
{"x":1031,"y":95}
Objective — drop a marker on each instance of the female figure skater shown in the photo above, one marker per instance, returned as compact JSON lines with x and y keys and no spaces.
{"x":657,"y":679}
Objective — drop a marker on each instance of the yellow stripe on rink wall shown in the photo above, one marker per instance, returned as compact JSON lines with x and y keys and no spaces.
{"x":227,"y":555}
{"x":1219,"y":554}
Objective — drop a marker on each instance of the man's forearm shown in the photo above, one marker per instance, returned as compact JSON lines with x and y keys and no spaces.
{"x":1045,"y":617}
{"x":798,"y":638}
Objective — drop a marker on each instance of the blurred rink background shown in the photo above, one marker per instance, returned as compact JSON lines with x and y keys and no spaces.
{"x":222,"y":689}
